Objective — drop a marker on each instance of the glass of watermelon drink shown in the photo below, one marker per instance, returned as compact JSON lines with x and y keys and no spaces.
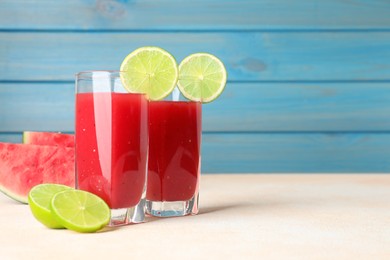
{"x":112,"y":144}
{"x":174,"y":156}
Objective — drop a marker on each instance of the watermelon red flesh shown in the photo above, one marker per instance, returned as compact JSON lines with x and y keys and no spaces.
{"x":48,"y":138}
{"x":23,"y":166}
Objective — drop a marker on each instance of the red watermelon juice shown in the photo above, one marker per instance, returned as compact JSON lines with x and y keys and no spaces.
{"x":111,"y":146}
{"x":174,"y":156}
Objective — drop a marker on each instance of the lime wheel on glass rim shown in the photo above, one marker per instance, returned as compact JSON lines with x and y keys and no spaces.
{"x":202,"y":77}
{"x":150,"y":70}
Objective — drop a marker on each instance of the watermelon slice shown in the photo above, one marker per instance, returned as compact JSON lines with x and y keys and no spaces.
{"x":22,"y":166}
{"x":48,"y":138}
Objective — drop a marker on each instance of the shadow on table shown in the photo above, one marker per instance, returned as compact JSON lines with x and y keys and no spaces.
{"x":206,"y":210}
{"x":261,"y":204}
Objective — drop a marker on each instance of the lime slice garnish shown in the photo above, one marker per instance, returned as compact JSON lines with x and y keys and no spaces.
{"x":39,"y":199}
{"x":80,"y":211}
{"x":202,"y":77}
{"x":149,"y":70}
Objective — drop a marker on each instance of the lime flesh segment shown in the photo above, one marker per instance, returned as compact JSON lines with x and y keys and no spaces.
{"x":202,"y":77}
{"x":39,"y":199}
{"x":80,"y":211}
{"x":149,"y":70}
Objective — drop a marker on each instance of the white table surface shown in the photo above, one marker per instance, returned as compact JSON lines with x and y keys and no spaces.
{"x":252,"y":216}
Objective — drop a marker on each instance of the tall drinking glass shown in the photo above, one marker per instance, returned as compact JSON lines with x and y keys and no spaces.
{"x":175,"y":127}
{"x":112,"y":144}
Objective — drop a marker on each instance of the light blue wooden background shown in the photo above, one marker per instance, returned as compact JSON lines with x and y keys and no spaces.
{"x":308,"y":88}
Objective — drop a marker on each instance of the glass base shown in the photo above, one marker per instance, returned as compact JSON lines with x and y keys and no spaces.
{"x":125,"y":216}
{"x":172,"y":208}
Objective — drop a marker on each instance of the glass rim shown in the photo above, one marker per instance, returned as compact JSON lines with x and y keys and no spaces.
{"x":88,"y":74}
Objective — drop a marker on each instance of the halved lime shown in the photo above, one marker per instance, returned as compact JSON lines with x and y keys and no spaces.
{"x":149,"y":70}
{"x":39,"y":199}
{"x":80,"y":211}
{"x":202,"y":77}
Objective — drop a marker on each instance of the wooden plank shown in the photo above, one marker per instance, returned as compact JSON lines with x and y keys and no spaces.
{"x":299,"y":152}
{"x":281,"y":107}
{"x":193,"y":15}
{"x":306,"y":153}
{"x":249,"y":56}
{"x":290,"y":107}
{"x":36,"y":107}
{"x":11,"y":137}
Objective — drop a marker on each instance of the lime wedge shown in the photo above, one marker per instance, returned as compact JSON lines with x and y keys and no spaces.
{"x":202,"y":77}
{"x":39,"y":199}
{"x":80,"y":211}
{"x":149,"y":70}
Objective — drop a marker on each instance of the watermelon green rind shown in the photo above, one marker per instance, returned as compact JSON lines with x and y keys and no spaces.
{"x":26,"y":137}
{"x":23,"y":166}
{"x":13,"y":195}
{"x":48,"y":138}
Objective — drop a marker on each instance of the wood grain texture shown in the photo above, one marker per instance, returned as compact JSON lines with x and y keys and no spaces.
{"x":249,"y":56}
{"x":289,"y":107}
{"x":194,"y":15}
{"x":308,"y":86}
{"x":11,"y":137}
{"x":36,"y":107}
{"x":289,"y":153}
{"x":300,"y":152}
{"x":243,"y":107}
